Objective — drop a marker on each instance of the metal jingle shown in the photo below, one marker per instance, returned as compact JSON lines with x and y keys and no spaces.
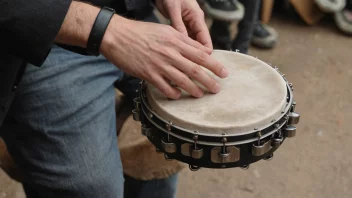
{"x":167,"y":157}
{"x":169,"y":147}
{"x":293,"y":118}
{"x":137,"y":103}
{"x":245,"y":167}
{"x":194,"y":168}
{"x":276,"y":142}
{"x":269,"y":157}
{"x":197,"y":153}
{"x":136,"y":115}
{"x":258,"y":150}
{"x":290,"y":131}
{"x":146,"y":131}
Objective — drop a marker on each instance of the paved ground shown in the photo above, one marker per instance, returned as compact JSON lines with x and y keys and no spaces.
{"x":318,"y":161}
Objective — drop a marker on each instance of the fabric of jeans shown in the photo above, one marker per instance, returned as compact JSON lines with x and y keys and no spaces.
{"x":61,"y":130}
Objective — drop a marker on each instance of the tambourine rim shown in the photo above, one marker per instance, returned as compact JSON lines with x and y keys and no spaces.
{"x":285,"y":112}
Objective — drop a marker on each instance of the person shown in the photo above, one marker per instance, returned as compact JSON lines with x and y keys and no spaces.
{"x":57,"y":91}
{"x":250,"y":28}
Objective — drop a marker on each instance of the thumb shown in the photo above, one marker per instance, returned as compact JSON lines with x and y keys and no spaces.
{"x":176,"y":20}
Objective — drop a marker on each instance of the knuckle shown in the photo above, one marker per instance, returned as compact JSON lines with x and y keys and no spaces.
{"x":182,"y":81}
{"x":200,"y":13}
{"x":202,"y":57}
{"x":165,"y":90}
{"x":196,"y":70}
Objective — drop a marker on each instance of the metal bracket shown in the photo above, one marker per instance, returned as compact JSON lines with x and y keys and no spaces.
{"x":146,"y":131}
{"x":232,"y":155}
{"x":188,"y":149}
{"x":290,"y":131}
{"x":168,"y":147}
{"x":293,"y":118}
{"x":136,"y":115}
{"x":258,"y":150}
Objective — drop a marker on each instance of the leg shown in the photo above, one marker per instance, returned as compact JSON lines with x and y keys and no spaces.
{"x":159,"y":188}
{"x":246,"y":26}
{"x":61,"y":130}
{"x":220,"y":35}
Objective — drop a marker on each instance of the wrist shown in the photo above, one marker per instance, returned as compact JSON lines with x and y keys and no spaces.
{"x":113,"y":34}
{"x":77,"y":25}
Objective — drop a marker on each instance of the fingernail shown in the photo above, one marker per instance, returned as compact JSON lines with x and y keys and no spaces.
{"x":224,"y":73}
{"x":216,"y":88}
{"x":199,"y":94}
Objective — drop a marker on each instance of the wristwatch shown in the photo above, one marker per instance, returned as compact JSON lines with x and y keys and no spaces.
{"x":98,"y":30}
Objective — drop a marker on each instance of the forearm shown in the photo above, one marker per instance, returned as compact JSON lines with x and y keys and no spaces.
{"x":77,"y":25}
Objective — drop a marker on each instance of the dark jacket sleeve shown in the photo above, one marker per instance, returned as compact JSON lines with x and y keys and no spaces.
{"x":29,"y":27}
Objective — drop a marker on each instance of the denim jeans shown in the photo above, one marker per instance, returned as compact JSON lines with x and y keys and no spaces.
{"x":61,"y":131}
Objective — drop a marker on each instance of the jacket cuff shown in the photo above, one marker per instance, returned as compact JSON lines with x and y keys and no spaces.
{"x":35,"y":28}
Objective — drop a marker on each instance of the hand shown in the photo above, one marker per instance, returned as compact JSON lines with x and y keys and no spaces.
{"x":186,"y":17}
{"x":159,"y":54}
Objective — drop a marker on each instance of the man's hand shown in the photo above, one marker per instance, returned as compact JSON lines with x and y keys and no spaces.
{"x":159,"y":54}
{"x":153,"y":52}
{"x":187,"y":18}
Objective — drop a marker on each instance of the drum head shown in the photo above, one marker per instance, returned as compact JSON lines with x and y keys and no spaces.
{"x":251,"y":97}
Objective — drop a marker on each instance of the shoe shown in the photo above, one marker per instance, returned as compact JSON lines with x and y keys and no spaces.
{"x":330,"y":6}
{"x":224,"y":10}
{"x":343,"y":19}
{"x":264,"y":36}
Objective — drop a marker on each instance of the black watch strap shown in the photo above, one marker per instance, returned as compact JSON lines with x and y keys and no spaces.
{"x":98,"y":30}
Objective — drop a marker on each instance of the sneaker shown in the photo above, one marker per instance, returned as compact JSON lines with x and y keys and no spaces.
{"x":330,"y":6}
{"x":224,"y":10}
{"x":343,"y":19}
{"x":264,"y":36}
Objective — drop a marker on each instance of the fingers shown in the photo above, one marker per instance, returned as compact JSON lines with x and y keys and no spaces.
{"x":195,"y":44}
{"x":182,"y":81}
{"x":201,"y":58}
{"x":165,"y":87}
{"x":200,"y":29}
{"x":196,"y":72}
{"x":176,"y":19}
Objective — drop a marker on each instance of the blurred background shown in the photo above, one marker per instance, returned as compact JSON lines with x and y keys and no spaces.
{"x":309,"y":41}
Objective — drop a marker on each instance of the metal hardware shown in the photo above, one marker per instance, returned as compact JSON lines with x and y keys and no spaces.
{"x":197,"y":153}
{"x":232,"y":155}
{"x":185,"y":149}
{"x":269,"y":157}
{"x":258,"y":150}
{"x":150,"y":115}
{"x":137,"y":103}
{"x":290,"y":131}
{"x":167,"y":157}
{"x":136,"y":115}
{"x":188,"y":149}
{"x":293,"y":118}
{"x":158,"y":150}
{"x":276,"y":142}
{"x":245,"y":167}
{"x":293,"y":106}
{"x":168,"y":147}
{"x":146,"y":131}
{"x":194,"y":168}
